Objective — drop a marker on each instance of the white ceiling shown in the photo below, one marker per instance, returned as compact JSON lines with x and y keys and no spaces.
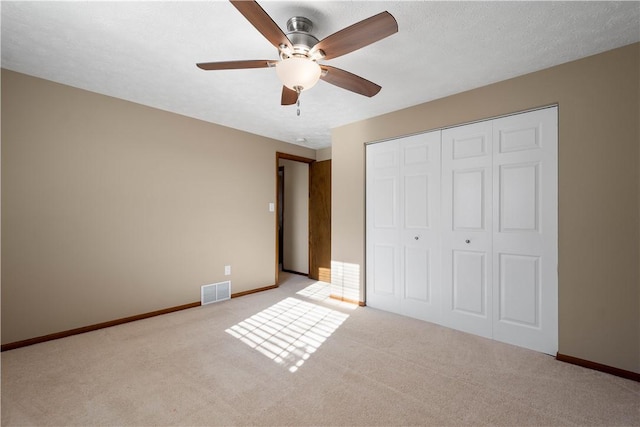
{"x":146,"y":51}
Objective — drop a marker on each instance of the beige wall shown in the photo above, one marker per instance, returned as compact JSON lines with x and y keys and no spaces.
{"x":112,"y":209}
{"x":323,"y":154}
{"x":599,"y":190}
{"x":296,"y":216}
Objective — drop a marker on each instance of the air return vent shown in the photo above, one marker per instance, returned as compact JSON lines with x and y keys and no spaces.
{"x":215,"y":292}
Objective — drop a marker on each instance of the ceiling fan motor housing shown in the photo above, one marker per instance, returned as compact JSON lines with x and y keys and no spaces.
{"x":299,"y":34}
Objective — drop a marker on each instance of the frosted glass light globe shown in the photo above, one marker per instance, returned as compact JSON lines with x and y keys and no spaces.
{"x":298,"y":73}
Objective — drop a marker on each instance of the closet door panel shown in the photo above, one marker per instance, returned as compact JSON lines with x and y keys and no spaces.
{"x":470,"y":283}
{"x":420,"y":231}
{"x":525,"y":237}
{"x":416,"y":201}
{"x":417,"y":264}
{"x":384,"y":197}
{"x":467,"y":227}
{"x":383,"y":194}
{"x":519,"y":289}
{"x":469,"y":199}
{"x":384,"y":267}
{"x":519,"y":198}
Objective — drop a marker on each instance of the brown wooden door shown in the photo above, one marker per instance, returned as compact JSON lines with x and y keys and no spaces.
{"x":320,"y":221}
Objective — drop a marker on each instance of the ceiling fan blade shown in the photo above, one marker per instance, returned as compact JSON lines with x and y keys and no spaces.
{"x":289,"y":97}
{"x":262,"y":21}
{"x":236,"y":65}
{"x":349,"y":81}
{"x":357,"y":35}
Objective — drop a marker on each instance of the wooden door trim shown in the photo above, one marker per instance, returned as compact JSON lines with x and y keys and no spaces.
{"x":286,"y":156}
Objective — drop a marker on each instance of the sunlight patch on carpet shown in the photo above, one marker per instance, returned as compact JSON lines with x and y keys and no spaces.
{"x":320,"y":291}
{"x":288,"y":332}
{"x":345,"y":280}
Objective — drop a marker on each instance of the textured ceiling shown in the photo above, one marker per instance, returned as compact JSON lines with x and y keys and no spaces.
{"x":146,"y":52}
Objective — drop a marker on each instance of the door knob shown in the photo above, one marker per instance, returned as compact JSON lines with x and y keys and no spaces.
{"x":417,"y":238}
{"x":467,"y":241}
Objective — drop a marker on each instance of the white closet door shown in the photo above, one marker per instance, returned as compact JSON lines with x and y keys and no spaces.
{"x":467,"y":228}
{"x":403,"y":226}
{"x":420,"y":226}
{"x":525,"y":234}
{"x":462,"y":228}
{"x":383,"y":226}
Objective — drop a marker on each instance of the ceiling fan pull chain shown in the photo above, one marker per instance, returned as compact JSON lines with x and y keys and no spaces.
{"x":299,"y":90}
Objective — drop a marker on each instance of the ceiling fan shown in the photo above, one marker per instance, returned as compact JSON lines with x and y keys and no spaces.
{"x":300,"y":51}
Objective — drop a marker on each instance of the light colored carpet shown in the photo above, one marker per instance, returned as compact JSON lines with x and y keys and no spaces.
{"x":289,"y":356}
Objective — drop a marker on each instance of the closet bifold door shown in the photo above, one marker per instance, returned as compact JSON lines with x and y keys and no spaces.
{"x":525,"y":234}
{"x":462,"y":228}
{"x":500,"y":229}
{"x":467,"y":226}
{"x":420,"y":261}
{"x":403,"y":226}
{"x":383,"y":226}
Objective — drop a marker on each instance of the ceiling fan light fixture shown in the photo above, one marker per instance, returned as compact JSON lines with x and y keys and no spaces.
{"x":300,"y":51}
{"x":298,"y":73}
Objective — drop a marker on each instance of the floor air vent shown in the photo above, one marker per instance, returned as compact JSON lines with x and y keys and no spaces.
{"x":215,"y":292}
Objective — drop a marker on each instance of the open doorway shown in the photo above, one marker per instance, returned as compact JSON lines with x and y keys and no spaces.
{"x":293,"y":217}
{"x":303,"y":223}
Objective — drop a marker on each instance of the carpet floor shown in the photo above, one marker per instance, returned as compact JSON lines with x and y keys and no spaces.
{"x":292,"y":356}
